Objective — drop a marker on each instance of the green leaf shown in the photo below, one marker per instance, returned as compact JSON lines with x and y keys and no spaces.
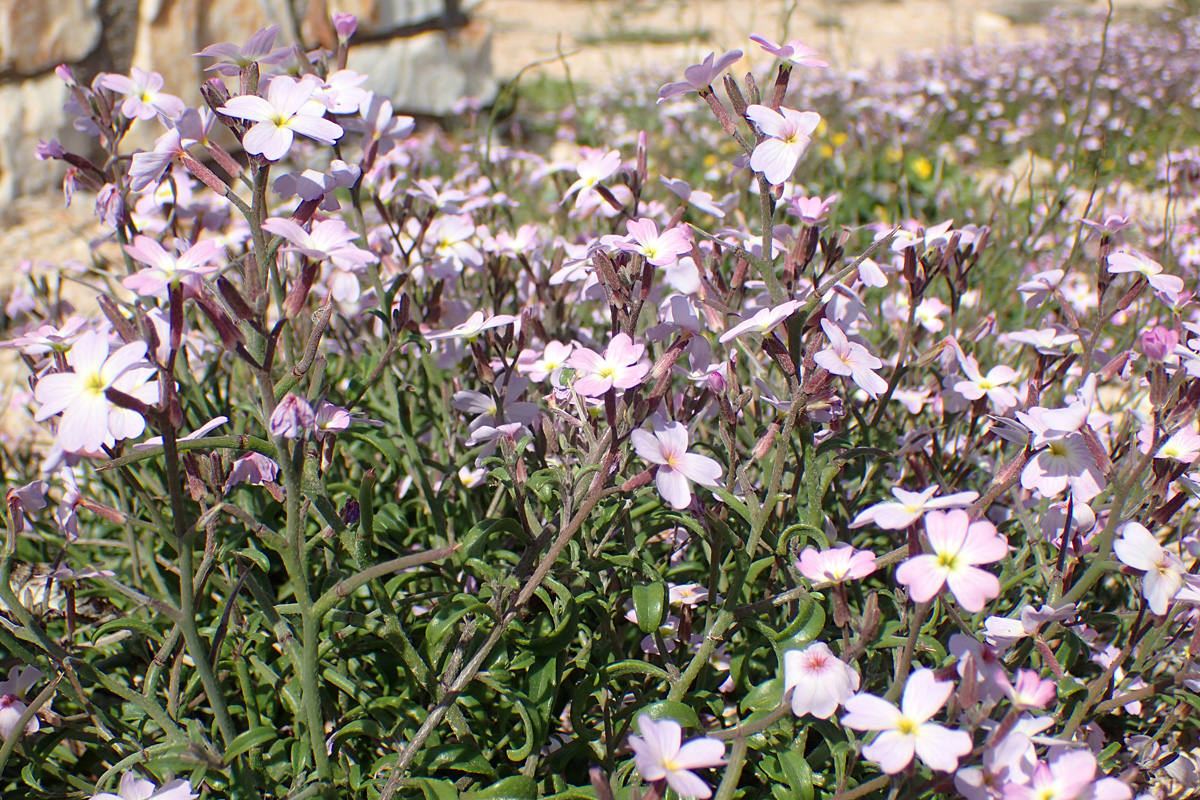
{"x":671,"y":709}
{"x":766,"y":696}
{"x":245,"y":741}
{"x":798,"y":774}
{"x":650,"y":604}
{"x":436,"y":789}
{"x":127,"y":624}
{"x":806,"y":627}
{"x":517,"y":787}
{"x":735,"y":503}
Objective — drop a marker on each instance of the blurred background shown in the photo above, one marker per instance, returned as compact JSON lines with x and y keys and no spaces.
{"x":433,"y":57}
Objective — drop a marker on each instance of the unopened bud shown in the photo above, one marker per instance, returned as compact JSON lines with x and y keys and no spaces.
{"x":292,"y":417}
{"x":121,"y":325}
{"x":1159,"y":342}
{"x":234,"y":298}
{"x":763,"y":446}
{"x":345,"y":25}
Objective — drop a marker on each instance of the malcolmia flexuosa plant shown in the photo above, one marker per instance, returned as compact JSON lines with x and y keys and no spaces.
{"x":376,"y":461}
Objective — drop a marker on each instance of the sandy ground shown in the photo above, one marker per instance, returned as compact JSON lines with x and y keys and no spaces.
{"x":609,"y":37}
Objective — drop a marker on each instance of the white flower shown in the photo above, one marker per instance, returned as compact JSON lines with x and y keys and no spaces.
{"x":659,"y":755}
{"x":667,"y":447}
{"x":819,"y":680}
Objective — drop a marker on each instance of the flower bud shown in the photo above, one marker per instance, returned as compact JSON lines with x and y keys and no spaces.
{"x":345,"y":25}
{"x":292,"y":417}
{"x":1159,"y":342}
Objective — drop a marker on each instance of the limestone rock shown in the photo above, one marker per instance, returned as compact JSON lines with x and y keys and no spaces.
{"x":38,"y":35}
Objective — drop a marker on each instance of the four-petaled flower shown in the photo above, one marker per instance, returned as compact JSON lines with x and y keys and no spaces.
{"x":1137,"y":548}
{"x":958,"y":544}
{"x":660,"y":755}
{"x":143,"y":100}
{"x":165,"y":269}
{"x":131,"y":787}
{"x":667,"y":447}
{"x":844,"y":357}
{"x":660,"y":249}
{"x":794,"y":51}
{"x":788,"y":134}
{"x":288,"y":109}
{"x":1168,"y":287}
{"x":907,"y":730}
{"x":818,"y":680}
{"x":621,"y":367}
{"x":699,"y":77}
{"x":836,"y":565}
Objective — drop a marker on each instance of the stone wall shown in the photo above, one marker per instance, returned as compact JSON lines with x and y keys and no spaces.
{"x":425,"y":54}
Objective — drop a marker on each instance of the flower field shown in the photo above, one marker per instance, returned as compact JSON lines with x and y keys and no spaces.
{"x":798,"y":434}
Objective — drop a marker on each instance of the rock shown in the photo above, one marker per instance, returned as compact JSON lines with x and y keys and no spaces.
{"x":28,"y":110}
{"x":38,"y":35}
{"x":429,"y":73}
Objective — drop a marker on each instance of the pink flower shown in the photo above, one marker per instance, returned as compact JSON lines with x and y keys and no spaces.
{"x":659,"y":756}
{"x":695,"y":198}
{"x":763,"y":320}
{"x":1168,"y":287}
{"x":958,"y":545}
{"x":836,"y":565}
{"x":667,"y":447}
{"x":89,"y":420}
{"x":1137,"y":548}
{"x":288,"y":109}
{"x":907,"y":730}
{"x":894,"y":516}
{"x":149,"y":167}
{"x":811,"y":210}
{"x":787,"y":133}
{"x":699,"y":77}
{"x":254,"y":469}
{"x":1067,"y":777}
{"x":661,"y":250}
{"x":794,"y":51}
{"x":143,"y":100}
{"x":620,"y":367}
{"x":819,"y":680}
{"x":843,"y":357}
{"x":165,"y":269}
{"x":1030,"y":690}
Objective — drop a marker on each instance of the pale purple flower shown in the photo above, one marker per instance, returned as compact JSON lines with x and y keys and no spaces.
{"x":473,"y":327}
{"x":131,"y":787}
{"x":12,"y":706}
{"x":330,"y":419}
{"x":788,"y":135}
{"x":907,"y":730}
{"x":1110,"y":224}
{"x":661,"y":250}
{"x":695,"y":198}
{"x":89,"y":420}
{"x":381,"y":130}
{"x":1048,"y":341}
{"x":699,"y":77}
{"x":1159,"y":343}
{"x":763,"y":320}
{"x":836,"y":565}
{"x":149,"y":167}
{"x":846,"y":358}
{"x":957,"y":545}
{"x":47,"y":338}
{"x":677,"y":468}
{"x":1067,"y":777}
{"x":252,"y":468}
{"x":143,"y":100}
{"x":621,"y":367}
{"x":1168,"y":287}
{"x":1063,"y":458}
{"x":992,"y":385}
{"x":345,"y":25}
{"x":289,"y":108}
{"x":794,"y":51}
{"x":164,"y":269}
{"x":1040,"y":286}
{"x":1163,"y":578}
{"x":292,"y":417}
{"x":592,"y":170}
{"x":910,"y":507}
{"x":660,"y":755}
{"x":818,"y":680}
{"x":546,"y":365}
{"x":329,"y":238}
{"x":231,"y":59}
